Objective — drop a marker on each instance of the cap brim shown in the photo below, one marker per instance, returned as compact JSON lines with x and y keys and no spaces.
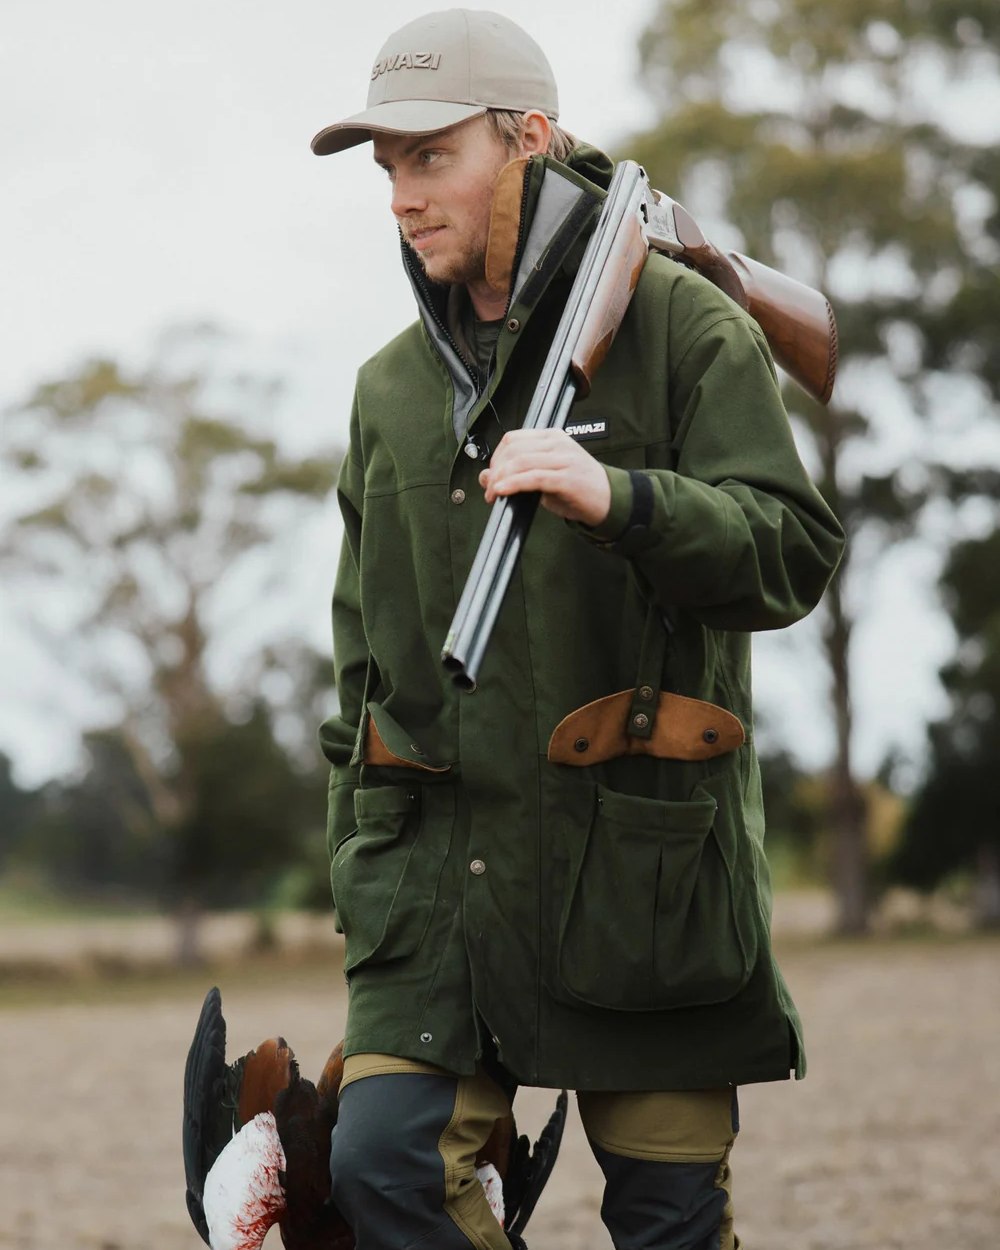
{"x":395,"y":117}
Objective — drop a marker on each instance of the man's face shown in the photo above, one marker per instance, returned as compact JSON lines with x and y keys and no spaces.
{"x":442,"y":193}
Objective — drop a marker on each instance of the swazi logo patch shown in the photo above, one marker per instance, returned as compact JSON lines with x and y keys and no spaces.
{"x":597,"y":427}
{"x":406,"y":60}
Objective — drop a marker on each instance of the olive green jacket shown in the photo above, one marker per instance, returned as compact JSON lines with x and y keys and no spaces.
{"x":607,"y":924}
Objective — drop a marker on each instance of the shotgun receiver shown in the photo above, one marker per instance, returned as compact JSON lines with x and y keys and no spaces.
{"x":797,"y":321}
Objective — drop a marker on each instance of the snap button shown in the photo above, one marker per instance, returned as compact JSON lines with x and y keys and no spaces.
{"x":711,"y":735}
{"x":581,"y":745}
{"x":640,"y":720}
{"x":646,"y":693}
{"x":477,"y":868}
{"x":427,"y":1037}
{"x":513,"y":325}
{"x":458,"y":496}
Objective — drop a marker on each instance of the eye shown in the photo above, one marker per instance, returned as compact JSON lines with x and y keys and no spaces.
{"x":428,"y":156}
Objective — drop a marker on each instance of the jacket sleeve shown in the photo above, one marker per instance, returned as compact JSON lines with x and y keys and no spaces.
{"x":737,"y":534}
{"x":338,"y":734}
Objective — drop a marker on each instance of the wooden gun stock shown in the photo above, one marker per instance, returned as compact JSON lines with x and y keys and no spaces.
{"x":796,"y":319}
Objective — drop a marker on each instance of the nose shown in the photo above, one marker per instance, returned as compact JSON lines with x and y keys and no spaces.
{"x":407,"y":196}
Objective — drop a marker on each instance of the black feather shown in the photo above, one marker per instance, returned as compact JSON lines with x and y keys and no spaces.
{"x":529,"y":1170}
{"x":207,"y":1124}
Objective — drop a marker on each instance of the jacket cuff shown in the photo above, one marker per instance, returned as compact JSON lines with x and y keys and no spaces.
{"x":613,"y":525}
{"x":626,"y":527}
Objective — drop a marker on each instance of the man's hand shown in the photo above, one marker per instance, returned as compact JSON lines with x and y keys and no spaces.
{"x":572,"y":483}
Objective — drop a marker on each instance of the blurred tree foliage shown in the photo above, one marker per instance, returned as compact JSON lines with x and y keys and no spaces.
{"x":152,"y":499}
{"x":797,"y":804}
{"x":954,"y":821}
{"x":246,"y":838}
{"x":817,"y":129}
{"x":18,"y":809}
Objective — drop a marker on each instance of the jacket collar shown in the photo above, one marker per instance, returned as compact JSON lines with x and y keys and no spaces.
{"x":534,"y":196}
{"x":542,"y":211}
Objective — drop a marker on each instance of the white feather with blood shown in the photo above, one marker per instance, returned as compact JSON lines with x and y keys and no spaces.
{"x":492,"y":1185}
{"x":243,"y":1195}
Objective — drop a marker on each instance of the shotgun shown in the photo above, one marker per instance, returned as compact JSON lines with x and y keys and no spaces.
{"x":797,"y":321}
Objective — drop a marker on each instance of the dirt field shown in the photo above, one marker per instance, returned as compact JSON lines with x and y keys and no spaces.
{"x":892,"y":1141}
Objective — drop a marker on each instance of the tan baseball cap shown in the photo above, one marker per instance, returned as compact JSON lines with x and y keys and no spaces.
{"x":443,"y":69}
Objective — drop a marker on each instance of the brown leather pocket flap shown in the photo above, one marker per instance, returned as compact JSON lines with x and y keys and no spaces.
{"x":685,"y":729}
{"x":388,"y":745}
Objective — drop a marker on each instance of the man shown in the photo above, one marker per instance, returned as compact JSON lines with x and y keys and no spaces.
{"x":585,"y":905}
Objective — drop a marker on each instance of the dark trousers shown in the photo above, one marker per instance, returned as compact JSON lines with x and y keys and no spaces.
{"x":403,"y":1156}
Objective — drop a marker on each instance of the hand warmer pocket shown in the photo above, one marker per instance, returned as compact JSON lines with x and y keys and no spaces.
{"x":385,"y":874}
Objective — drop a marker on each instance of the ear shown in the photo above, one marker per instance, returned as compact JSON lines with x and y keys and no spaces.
{"x":536,"y":131}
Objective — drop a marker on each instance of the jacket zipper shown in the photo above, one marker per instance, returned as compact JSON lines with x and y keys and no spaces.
{"x":521,"y":239}
{"x":417,"y":274}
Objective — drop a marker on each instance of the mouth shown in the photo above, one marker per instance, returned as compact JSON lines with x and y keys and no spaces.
{"x":420,"y":239}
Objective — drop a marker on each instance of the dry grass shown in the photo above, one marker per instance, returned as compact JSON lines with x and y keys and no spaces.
{"x":891,"y":1142}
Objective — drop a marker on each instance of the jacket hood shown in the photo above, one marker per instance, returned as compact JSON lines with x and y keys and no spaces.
{"x":591,"y":163}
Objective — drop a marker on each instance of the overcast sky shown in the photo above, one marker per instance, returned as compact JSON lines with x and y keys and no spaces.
{"x":156,"y":166}
{"x":156,"y":169}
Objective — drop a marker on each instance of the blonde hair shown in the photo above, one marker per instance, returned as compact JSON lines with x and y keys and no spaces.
{"x":506,"y":126}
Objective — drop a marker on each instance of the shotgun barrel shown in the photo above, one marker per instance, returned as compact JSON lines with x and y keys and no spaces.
{"x":566,"y":373}
{"x":797,"y":321}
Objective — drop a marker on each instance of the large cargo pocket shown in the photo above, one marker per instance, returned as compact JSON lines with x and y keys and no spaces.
{"x":385,"y":874}
{"x":653,"y":918}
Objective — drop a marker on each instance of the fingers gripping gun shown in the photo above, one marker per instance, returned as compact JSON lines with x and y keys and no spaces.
{"x":797,"y":321}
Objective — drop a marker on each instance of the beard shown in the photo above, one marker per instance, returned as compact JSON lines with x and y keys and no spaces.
{"x":468,"y":266}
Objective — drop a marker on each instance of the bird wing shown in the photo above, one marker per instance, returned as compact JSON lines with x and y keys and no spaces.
{"x":529,"y":1169}
{"x":205,"y":1131}
{"x":220,"y":1098}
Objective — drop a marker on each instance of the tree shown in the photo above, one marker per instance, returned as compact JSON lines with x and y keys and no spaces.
{"x":255,"y":822}
{"x":796,"y":804}
{"x":817,"y":128}
{"x":17,"y":810}
{"x":954,"y":821}
{"x":161,"y":492}
{"x":92,"y":837}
